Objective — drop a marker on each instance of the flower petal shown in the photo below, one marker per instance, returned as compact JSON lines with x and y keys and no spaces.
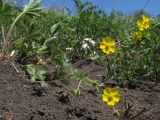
{"x":104,"y":98}
{"x":102,"y":44}
{"x":145,"y":19}
{"x":111,"y":103}
{"x":116,"y":98}
{"x":107,"y":91}
{"x":112,"y":49}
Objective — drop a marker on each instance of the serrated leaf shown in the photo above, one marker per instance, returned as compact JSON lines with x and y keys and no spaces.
{"x":40,"y":72}
{"x":33,"y":78}
{"x":36,"y":72}
{"x":31,"y":71}
{"x":32,"y":7}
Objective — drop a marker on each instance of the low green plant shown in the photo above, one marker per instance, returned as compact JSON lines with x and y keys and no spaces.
{"x":31,"y":8}
{"x":85,"y":80}
{"x":37,"y":72}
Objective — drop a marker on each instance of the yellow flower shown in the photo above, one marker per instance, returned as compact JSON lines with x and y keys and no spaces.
{"x":108,"y":45}
{"x":138,"y":35}
{"x":144,"y":23}
{"x":145,"y":18}
{"x":111,"y":96}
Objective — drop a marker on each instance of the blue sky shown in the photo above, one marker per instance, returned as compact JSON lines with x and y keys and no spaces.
{"x":125,"y":6}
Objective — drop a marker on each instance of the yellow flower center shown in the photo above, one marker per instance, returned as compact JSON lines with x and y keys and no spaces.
{"x":110,"y":98}
{"x":107,"y":48}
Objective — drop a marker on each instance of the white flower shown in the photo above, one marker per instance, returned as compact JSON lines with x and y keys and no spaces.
{"x":69,"y":49}
{"x":85,"y":46}
{"x":12,"y":53}
{"x":89,"y":40}
{"x":93,"y":42}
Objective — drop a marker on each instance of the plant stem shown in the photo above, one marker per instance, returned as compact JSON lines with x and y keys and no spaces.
{"x":79,"y":84}
{"x":5,"y":43}
{"x":13,"y":24}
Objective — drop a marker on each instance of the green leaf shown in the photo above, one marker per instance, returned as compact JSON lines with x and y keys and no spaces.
{"x":40,"y":72}
{"x":32,"y":7}
{"x":51,"y":39}
{"x":36,"y":72}
{"x":54,"y":29}
{"x":32,"y":71}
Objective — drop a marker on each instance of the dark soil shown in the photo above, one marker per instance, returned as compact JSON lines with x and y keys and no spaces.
{"x":22,"y":100}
